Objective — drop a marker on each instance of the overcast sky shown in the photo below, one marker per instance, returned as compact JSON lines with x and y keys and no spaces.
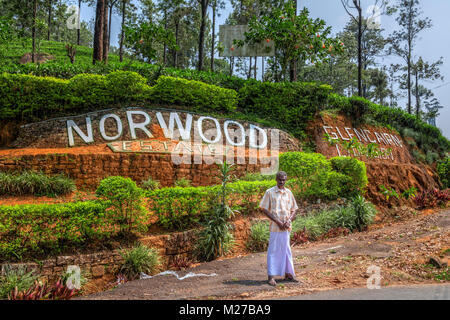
{"x":433,"y":43}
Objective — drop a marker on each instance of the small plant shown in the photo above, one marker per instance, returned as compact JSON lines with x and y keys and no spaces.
{"x":388,"y":193}
{"x":259,"y":237}
{"x":299,"y":237}
{"x":181,"y":263}
{"x":126,"y":200}
{"x":215,"y":239}
{"x":364,"y":212}
{"x":257,"y":177}
{"x":15,"y":278}
{"x":57,"y":291}
{"x":150,"y":184}
{"x":137,"y":260}
{"x":431,"y":198}
{"x":183,"y":183}
{"x":409,"y":193}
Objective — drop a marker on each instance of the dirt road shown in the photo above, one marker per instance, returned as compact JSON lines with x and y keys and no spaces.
{"x":401,"y":250}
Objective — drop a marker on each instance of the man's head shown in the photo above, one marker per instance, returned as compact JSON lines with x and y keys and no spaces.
{"x":281,"y":179}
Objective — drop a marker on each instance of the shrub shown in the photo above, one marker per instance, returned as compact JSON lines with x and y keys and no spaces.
{"x":354,"y":169}
{"x":215,"y":239}
{"x":50,"y":228}
{"x":257,"y":177}
{"x":259,"y":236}
{"x":126,"y":84}
{"x":137,"y":260}
{"x":126,"y":200}
{"x":199,"y":95}
{"x":183,"y":183}
{"x":35,"y":183}
{"x":364,"y":212}
{"x":291,"y":104}
{"x":56,"y":291}
{"x":150,"y":184}
{"x":431,"y":198}
{"x":443,"y":169}
{"x":15,"y":278}
{"x":314,"y":178}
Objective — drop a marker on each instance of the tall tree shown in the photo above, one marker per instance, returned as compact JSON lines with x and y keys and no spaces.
{"x":424,"y":70}
{"x":33,"y":31}
{"x":215,"y":6}
{"x":352,"y":6}
{"x":122,"y":31}
{"x":105,"y":32}
{"x":402,"y":41}
{"x":98,"y":33}
{"x":204,"y":4}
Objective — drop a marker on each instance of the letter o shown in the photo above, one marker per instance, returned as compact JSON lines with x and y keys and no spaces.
{"x":200,"y":129}
{"x":102,"y":127}
{"x":227,"y":135}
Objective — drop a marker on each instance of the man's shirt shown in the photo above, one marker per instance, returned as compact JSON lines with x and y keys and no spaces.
{"x":281,"y":203}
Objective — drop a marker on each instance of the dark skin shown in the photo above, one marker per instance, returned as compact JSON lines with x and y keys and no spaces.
{"x":281,"y":181}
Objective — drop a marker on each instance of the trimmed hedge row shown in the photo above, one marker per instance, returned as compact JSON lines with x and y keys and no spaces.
{"x":179,"y":208}
{"x":30,"y":97}
{"x":315,"y":177}
{"x":49,"y":228}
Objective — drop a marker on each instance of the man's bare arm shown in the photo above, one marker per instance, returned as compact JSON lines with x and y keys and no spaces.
{"x":273,"y":217}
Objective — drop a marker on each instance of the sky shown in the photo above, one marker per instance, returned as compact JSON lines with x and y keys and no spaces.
{"x":430,"y":46}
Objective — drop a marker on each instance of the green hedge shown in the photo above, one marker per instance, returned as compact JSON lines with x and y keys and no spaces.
{"x":34,"y":183}
{"x":29,"y":98}
{"x":291,"y":105}
{"x":198,"y":95}
{"x":315,"y":177}
{"x":354,"y":169}
{"x":45,"y":229}
{"x":179,"y":208}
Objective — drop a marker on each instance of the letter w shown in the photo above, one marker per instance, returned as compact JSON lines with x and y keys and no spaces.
{"x":185,"y":132}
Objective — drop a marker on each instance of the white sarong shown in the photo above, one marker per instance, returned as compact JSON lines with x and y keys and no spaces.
{"x":279,"y":255}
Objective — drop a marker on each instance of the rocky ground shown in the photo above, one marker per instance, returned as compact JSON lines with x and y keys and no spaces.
{"x":411,"y":251}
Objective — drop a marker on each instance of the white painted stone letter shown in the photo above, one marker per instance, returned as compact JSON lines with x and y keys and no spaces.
{"x":71,"y":125}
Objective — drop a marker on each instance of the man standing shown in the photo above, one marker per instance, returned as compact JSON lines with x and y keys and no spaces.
{"x":279,"y":205}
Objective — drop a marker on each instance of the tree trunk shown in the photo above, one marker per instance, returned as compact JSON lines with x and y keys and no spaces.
{"x":165,"y":45}
{"x":213,"y":36}
{"x":33,"y":32}
{"x":105,"y":32}
{"x":201,"y":38}
{"x":98,"y":34}
{"x":122,"y":33}
{"x":417,"y":94}
{"x":110,"y":22}
{"x":360,"y":91}
{"x":49,"y":19}
{"x":249,"y":74}
{"x":262,"y":68}
{"x":175,"y":52}
{"x":79,"y":30}
{"x":254,"y":71}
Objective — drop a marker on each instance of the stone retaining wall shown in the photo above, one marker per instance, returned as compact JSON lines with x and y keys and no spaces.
{"x":100,"y":264}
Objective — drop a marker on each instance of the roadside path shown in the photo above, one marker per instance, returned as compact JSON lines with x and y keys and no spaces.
{"x":400,"y":250}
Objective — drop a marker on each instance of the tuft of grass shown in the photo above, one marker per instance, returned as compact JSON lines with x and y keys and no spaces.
{"x":259,"y":237}
{"x":15,"y":277}
{"x":35,"y":183}
{"x":183,"y":183}
{"x":139,"y":259}
{"x":150,"y":184}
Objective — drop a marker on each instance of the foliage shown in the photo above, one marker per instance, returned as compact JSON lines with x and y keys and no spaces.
{"x":215,"y":239}
{"x":291,"y":104}
{"x":144,"y":38}
{"x":137,"y":260}
{"x":43,"y":229}
{"x":35,"y":183}
{"x":259,"y":236}
{"x":297,"y":37}
{"x":257,"y":177}
{"x":57,"y":291}
{"x":181,"y":208}
{"x":431,"y":198}
{"x":443,"y":169}
{"x":364,"y":212}
{"x":353,"y":168}
{"x":190,"y":93}
{"x":126,"y":200}
{"x":409,"y":193}
{"x":150,"y":184}
{"x":15,"y":277}
{"x":315,"y":177}
{"x":183,"y":183}
{"x":355,"y":216}
{"x":388,"y":193}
